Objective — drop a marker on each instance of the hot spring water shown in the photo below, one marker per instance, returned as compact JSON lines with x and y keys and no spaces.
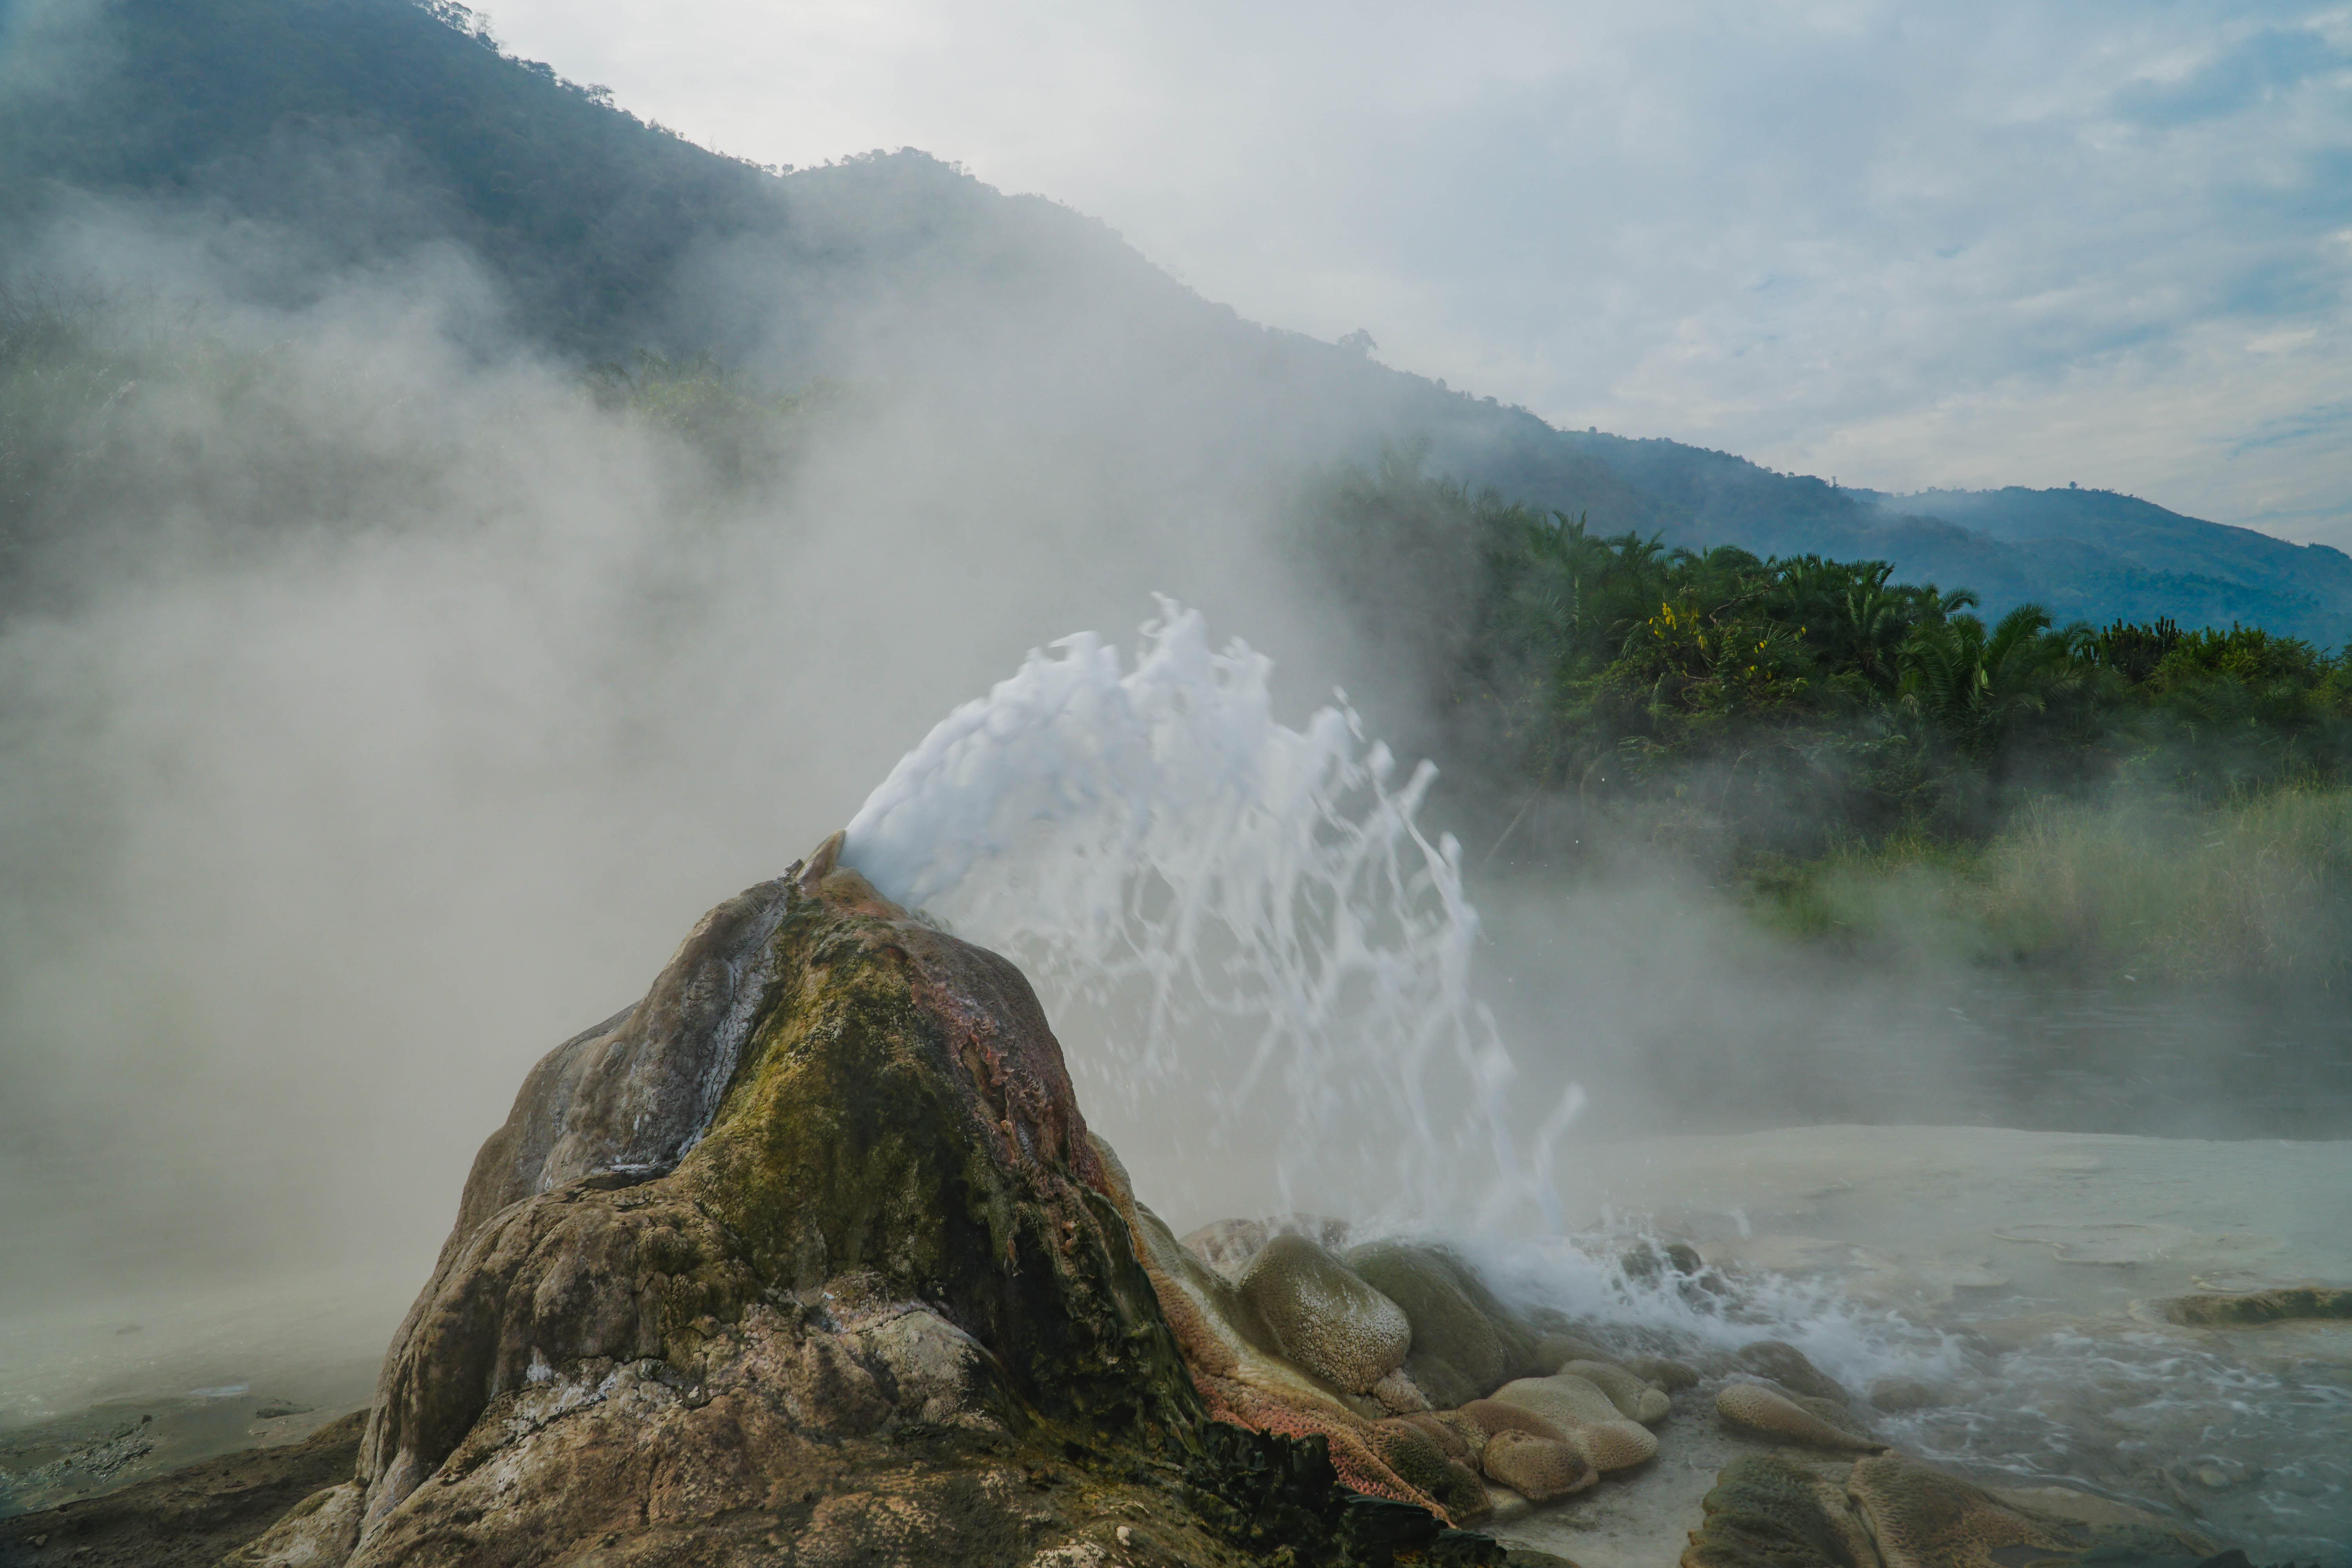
{"x":1261,"y":965}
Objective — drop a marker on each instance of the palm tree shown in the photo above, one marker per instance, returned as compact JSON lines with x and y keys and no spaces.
{"x":1577,"y":593}
{"x":1973,"y":685}
{"x":1854,"y":617}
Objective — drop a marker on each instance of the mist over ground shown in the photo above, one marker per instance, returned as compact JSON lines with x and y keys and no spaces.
{"x":390,"y":708}
{"x":386,"y":710}
{"x":382,"y":698}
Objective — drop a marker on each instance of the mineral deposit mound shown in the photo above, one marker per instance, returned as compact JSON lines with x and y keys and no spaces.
{"x":809,"y":1257}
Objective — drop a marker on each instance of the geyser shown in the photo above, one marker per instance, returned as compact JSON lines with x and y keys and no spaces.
{"x":1242,"y":928}
{"x":811,"y":1255}
{"x":876,"y":1303}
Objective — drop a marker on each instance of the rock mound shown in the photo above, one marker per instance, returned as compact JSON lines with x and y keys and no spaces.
{"x":1635,"y":1397}
{"x":1785,"y":1364}
{"x":1323,"y":1317}
{"x":1540,"y":1469}
{"x":1228,"y":1245}
{"x":1769,"y":1511}
{"x":1465,"y":1342}
{"x":1586,"y":1417}
{"x":1763,"y":1410}
{"x":809,"y":1259}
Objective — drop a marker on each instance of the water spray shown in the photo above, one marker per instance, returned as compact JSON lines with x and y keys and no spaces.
{"x":1250,"y":915}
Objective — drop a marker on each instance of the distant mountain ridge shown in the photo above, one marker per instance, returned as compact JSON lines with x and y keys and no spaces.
{"x":2108,"y":546}
{"x":359,"y":128}
{"x":2083,"y":554}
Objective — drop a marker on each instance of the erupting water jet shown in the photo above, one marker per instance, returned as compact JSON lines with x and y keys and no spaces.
{"x":1265,"y":947}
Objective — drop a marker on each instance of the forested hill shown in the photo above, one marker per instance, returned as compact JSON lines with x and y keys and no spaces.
{"x":2084,"y":554}
{"x":2083,"y":549}
{"x":328,"y":133}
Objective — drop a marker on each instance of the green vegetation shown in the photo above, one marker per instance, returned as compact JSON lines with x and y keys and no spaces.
{"x":368,"y":127}
{"x":1615,"y":668}
{"x":2255,"y":887}
{"x":740,"y":433}
{"x":1872,"y":762}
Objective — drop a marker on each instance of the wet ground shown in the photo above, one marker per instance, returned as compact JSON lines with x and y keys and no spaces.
{"x":108,"y":1392}
{"x":2127,"y":1058}
{"x":2016,"y":1273}
{"x":191,"y":1515}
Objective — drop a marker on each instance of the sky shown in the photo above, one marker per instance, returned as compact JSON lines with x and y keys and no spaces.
{"x":1904,"y":245}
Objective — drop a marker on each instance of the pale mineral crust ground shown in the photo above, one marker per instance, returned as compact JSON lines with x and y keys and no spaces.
{"x":2033,"y":1208}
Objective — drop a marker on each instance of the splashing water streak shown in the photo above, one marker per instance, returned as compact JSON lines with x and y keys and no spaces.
{"x":1254,"y":906}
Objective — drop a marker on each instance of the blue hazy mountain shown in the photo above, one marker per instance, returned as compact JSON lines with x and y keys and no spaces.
{"x":2086,"y":554}
{"x":324,"y":134}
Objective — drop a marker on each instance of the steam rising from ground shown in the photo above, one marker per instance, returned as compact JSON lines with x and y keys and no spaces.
{"x":1260,"y":944}
{"x":383,"y":709}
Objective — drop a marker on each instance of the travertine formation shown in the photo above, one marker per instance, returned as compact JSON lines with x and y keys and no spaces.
{"x":1589,"y":1420}
{"x":1540,"y":1469}
{"x":1322,"y":1316}
{"x":1786,"y":1365}
{"x":1769,"y":1412}
{"x":1465,"y":1342}
{"x":1770,"y":1512}
{"x":810,"y":1258}
{"x":1634,"y":1396}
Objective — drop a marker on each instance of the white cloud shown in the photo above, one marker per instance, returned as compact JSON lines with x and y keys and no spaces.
{"x":2009,"y":243}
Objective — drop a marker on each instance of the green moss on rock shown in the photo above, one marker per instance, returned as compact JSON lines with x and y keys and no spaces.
{"x":878,"y":1301}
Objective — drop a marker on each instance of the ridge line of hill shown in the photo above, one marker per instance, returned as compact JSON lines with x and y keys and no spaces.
{"x":354,"y":130}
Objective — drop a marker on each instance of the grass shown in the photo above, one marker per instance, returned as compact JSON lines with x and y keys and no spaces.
{"x":2256,"y":888}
